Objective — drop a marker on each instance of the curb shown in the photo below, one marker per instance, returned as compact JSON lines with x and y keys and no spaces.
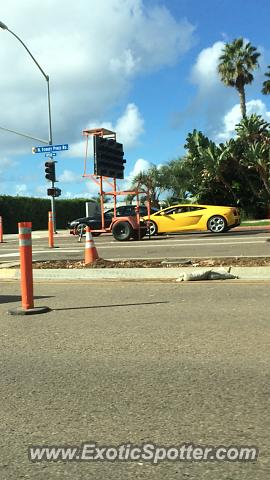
{"x":99,"y":274}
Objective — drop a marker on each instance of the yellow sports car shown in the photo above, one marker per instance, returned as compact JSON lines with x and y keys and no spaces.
{"x":178,"y":218}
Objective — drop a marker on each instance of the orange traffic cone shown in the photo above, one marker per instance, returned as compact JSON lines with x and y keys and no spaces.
{"x":91,"y":253}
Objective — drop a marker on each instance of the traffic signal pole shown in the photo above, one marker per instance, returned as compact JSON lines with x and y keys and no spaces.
{"x":51,"y":158}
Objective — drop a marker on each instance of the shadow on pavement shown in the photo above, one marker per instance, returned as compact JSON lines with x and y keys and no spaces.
{"x":232,"y":233}
{"x":236,"y":233}
{"x":17,"y":298}
{"x":109,"y":306}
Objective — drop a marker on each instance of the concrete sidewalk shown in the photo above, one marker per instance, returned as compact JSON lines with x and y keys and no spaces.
{"x":100,"y":274}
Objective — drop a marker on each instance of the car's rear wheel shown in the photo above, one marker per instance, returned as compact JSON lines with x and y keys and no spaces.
{"x":217,"y":224}
{"x":122,"y":231}
{"x":153,"y":229}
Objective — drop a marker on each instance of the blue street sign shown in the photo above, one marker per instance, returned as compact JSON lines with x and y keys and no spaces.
{"x":52,"y":154}
{"x":50,"y":148}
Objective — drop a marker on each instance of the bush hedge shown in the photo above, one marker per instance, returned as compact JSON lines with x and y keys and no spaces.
{"x":35,"y":210}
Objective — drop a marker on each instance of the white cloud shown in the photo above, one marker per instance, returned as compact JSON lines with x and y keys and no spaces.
{"x":41,"y":190}
{"x":21,"y":189}
{"x":6,"y":163}
{"x":70,"y":177}
{"x":140,"y":165}
{"x":204,"y":72}
{"x":128,"y":128}
{"x":93,"y":188}
{"x":92,"y":54}
{"x":214,"y":108}
{"x":212,"y":97}
{"x":234,"y":116}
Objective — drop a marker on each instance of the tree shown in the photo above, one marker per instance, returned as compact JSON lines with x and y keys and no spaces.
{"x":175,"y":177}
{"x":98,"y":201}
{"x":151,"y":182}
{"x":253,"y":127}
{"x":266,"y":84}
{"x":236,"y":65}
{"x":254,"y":133}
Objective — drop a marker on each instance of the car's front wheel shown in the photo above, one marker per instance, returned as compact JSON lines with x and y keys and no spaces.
{"x":217,"y":224}
{"x":152,"y":228}
{"x":81,"y":229}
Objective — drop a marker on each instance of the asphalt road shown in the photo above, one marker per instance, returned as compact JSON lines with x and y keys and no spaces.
{"x":136,"y":362}
{"x":233,"y":243}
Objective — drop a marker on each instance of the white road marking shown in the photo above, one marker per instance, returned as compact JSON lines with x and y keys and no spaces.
{"x":175,"y":241}
{"x":142,"y":245}
{"x":17,"y":254}
{"x":182,"y":244}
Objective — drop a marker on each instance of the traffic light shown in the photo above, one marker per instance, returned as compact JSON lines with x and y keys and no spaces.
{"x":108,"y":158}
{"x":54,"y":192}
{"x":50,"y":171}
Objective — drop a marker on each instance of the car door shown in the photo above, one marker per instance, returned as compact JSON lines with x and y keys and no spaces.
{"x":171,"y":219}
{"x":179,"y":218}
{"x":188,"y":217}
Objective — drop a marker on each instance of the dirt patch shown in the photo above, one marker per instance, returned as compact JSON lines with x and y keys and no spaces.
{"x":209,"y":262}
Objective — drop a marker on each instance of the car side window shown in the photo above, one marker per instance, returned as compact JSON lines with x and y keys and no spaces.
{"x":193,"y":209}
{"x":169,"y":211}
{"x":181,"y":210}
{"x":110,"y":212}
{"x":127,"y":211}
{"x":120,"y":212}
{"x":143,"y":211}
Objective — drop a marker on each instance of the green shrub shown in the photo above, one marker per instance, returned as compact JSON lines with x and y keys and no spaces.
{"x":27,"y":209}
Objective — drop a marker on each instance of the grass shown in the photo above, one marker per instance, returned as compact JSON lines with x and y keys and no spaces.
{"x":255,"y":223}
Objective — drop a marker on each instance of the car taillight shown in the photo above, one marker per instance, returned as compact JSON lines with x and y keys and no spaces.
{"x":235,"y":212}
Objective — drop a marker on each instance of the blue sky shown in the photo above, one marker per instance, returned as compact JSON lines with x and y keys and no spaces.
{"x":146,"y":69}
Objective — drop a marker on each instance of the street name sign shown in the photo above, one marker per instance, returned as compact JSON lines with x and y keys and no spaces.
{"x":50,"y":148}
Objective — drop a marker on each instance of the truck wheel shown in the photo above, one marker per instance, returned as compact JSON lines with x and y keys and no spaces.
{"x":122,"y":231}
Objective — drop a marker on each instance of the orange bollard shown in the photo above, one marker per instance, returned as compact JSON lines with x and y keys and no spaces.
{"x":1,"y":230}
{"x":50,"y":230}
{"x":91,"y":253}
{"x":25,"y":243}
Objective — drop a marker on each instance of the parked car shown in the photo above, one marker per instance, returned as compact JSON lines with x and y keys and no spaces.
{"x":78,"y":225}
{"x":178,"y":218}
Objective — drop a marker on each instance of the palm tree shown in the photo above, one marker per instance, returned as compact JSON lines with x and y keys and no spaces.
{"x":253,"y":128}
{"x":97,"y":199}
{"x":151,"y":182}
{"x":254,"y":132}
{"x":266,"y":84}
{"x":236,"y":63}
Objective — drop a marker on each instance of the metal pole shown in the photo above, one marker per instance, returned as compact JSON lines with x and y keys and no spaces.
{"x":25,"y":135}
{"x":50,"y":143}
